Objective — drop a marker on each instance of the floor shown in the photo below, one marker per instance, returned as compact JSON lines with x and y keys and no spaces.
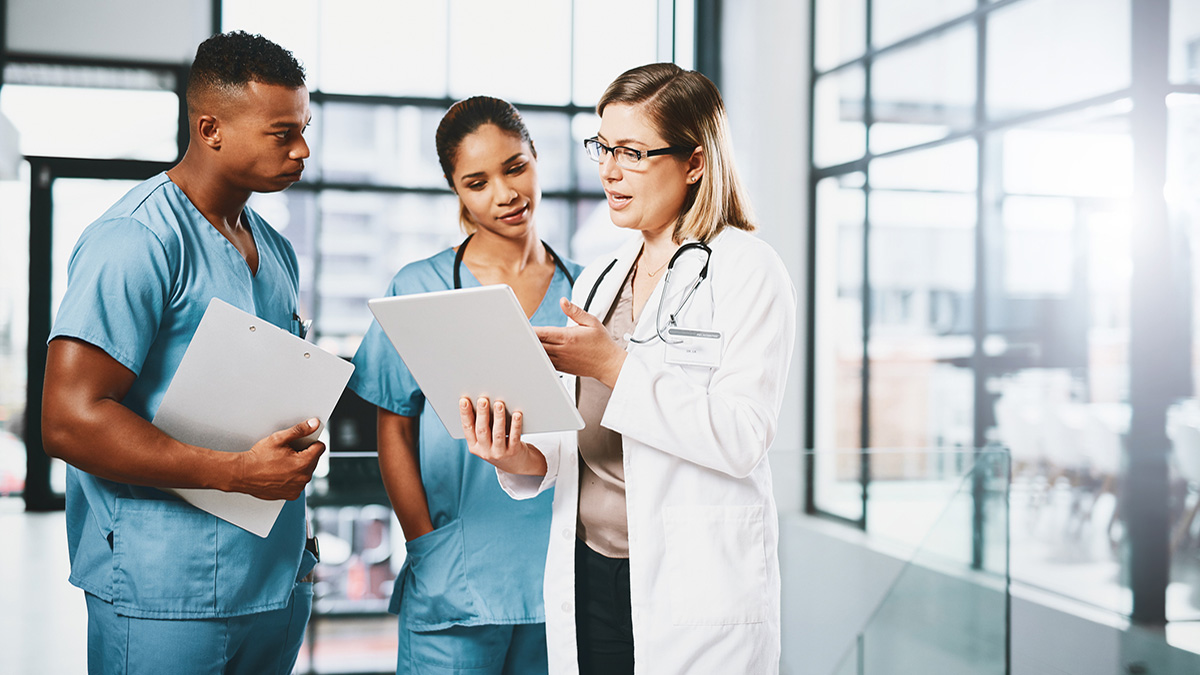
{"x":43,"y":628}
{"x":46,"y":632}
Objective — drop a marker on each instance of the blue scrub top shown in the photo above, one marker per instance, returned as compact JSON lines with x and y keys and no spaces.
{"x":484,"y":561}
{"x":139,"y":281}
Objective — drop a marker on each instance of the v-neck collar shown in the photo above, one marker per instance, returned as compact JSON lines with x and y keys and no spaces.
{"x":200,"y":221}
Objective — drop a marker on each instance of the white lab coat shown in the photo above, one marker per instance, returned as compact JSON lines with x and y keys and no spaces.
{"x":703,"y":529}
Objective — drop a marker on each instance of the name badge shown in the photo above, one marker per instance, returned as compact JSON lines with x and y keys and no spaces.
{"x":687,"y":347}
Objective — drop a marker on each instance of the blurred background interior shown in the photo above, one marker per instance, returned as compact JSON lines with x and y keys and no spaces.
{"x":989,"y":457}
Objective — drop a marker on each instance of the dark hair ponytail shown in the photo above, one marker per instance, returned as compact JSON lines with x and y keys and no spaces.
{"x":467,"y":115}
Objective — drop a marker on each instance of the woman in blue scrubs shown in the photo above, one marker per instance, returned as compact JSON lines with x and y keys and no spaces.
{"x":470,"y":594}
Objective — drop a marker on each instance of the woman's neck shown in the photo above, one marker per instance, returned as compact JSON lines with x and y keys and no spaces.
{"x":658,"y":246}
{"x":511,"y":255}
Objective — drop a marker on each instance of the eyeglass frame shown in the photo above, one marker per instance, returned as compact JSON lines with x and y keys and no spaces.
{"x":638,"y":154}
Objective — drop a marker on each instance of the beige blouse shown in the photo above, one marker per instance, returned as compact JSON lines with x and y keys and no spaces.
{"x":602,"y":522}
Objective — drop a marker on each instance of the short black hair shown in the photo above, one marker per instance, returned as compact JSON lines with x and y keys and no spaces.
{"x":236,"y":58}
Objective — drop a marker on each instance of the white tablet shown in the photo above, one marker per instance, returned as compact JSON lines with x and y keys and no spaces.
{"x":477,"y":342}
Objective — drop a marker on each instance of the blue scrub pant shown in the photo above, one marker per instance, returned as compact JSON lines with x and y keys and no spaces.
{"x":474,"y":650}
{"x":255,"y":644}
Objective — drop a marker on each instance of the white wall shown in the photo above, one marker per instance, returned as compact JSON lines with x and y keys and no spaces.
{"x":142,"y":30}
{"x":764,"y":82}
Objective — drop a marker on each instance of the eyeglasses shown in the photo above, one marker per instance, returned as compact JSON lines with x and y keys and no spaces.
{"x":627,"y":158}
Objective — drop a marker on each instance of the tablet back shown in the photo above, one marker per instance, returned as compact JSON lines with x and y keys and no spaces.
{"x":476,"y":342}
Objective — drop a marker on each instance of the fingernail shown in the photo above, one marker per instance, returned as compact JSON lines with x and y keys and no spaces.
{"x":312,"y":421}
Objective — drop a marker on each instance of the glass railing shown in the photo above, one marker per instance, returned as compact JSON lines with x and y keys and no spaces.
{"x":948,"y":608}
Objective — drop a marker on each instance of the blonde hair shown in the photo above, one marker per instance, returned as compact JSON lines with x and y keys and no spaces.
{"x":686,"y":109}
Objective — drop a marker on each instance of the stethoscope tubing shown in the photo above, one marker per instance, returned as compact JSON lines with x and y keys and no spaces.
{"x":462,"y":248}
{"x":692,"y":245}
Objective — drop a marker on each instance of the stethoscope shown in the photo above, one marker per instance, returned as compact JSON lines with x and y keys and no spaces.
{"x":666,"y":284}
{"x":462,"y":248}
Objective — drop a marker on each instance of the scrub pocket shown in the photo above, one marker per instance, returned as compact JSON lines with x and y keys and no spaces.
{"x":164,"y":558}
{"x":435,"y":593}
{"x":716,"y":564}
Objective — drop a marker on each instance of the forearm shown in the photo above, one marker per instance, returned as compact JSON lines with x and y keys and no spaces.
{"x":402,"y":480}
{"x":110,"y":441}
{"x":400,"y":467}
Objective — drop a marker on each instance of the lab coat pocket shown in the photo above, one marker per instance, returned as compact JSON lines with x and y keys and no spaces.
{"x":164,"y":558}
{"x":436,"y":594}
{"x":716,"y":564}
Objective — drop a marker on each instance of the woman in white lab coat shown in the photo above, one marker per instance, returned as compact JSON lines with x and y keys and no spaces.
{"x":663,"y":548}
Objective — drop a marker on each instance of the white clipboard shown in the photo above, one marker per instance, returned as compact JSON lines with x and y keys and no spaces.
{"x":241,"y":380}
{"x":477,"y":342}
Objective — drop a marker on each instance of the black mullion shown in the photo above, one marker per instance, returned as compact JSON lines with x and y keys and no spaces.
{"x":38,"y":495}
{"x":872,"y":52}
{"x":708,"y":32}
{"x":3,"y":39}
{"x":318,"y":185}
{"x":89,"y":62}
{"x":864,"y":432}
{"x":979,"y":315}
{"x":572,"y":169}
{"x":810,"y":311}
{"x":437,"y":103}
{"x":1155,"y":332}
{"x":183,"y":132}
{"x":217,"y":16}
{"x":857,"y":165}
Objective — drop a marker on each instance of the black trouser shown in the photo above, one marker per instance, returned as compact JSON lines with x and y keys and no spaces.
{"x":603,"y":617}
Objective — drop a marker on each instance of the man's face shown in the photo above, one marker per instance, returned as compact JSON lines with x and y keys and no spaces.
{"x":262,"y":137}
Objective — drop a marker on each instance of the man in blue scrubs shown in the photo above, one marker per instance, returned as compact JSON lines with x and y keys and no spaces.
{"x":170,"y":588}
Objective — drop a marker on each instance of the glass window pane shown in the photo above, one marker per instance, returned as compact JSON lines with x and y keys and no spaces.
{"x":293,"y":213}
{"x":604,"y":50}
{"x":1185,"y":42}
{"x":839,"y":134}
{"x":894,"y":20}
{"x":554,"y":225}
{"x":1089,"y":154}
{"x":292,"y":24}
{"x":951,"y":167}
{"x":518,"y":50}
{"x":921,"y":383}
{"x":381,"y":145}
{"x":14,"y":329}
{"x":924,"y":92}
{"x":841,"y":213}
{"x":136,"y":124}
{"x":1058,"y":320}
{"x":595,"y":235}
{"x":365,"y":238}
{"x":1183,"y":203}
{"x":841,"y":31}
{"x":375,"y":46}
{"x":1034,"y":64}
{"x":551,"y":134}
{"x":587,"y":172}
{"x":684,"y":46}
{"x":77,"y":202}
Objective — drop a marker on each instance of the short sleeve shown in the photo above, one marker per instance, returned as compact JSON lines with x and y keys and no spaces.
{"x":118,"y":285}
{"x":380,"y":376}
